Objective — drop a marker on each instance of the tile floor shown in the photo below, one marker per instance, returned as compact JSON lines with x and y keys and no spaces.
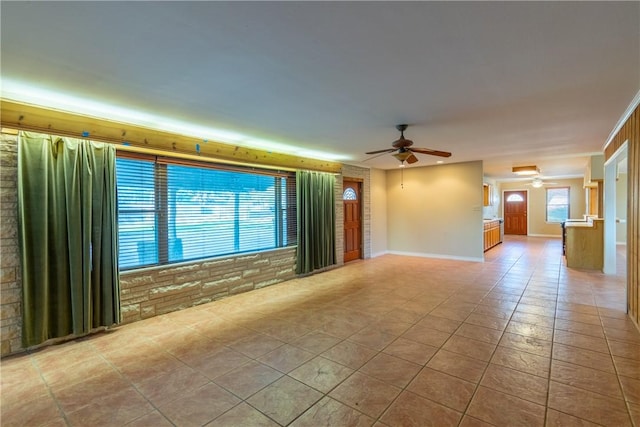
{"x":395,"y":341}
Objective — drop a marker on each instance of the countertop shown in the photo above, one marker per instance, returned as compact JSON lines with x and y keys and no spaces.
{"x":578,"y":224}
{"x":569,"y":224}
{"x":485,"y":220}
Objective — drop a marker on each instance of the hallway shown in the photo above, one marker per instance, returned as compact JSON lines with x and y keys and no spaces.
{"x":518,"y":340}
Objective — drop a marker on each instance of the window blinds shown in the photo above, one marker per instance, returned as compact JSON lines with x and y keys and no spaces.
{"x":172,"y":210}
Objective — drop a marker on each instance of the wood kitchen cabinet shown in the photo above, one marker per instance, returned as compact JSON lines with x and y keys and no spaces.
{"x":492,"y":235}
{"x":486,"y":195}
{"x":585,"y":244}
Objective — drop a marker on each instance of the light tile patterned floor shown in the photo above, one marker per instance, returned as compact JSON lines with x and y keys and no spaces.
{"x":395,"y":341}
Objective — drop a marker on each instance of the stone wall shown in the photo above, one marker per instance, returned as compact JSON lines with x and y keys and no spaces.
{"x":10,"y":286}
{"x":153,"y":291}
{"x":143,"y":293}
{"x":158,"y":290}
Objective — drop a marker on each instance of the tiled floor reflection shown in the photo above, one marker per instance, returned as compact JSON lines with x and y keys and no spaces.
{"x":519,"y":340}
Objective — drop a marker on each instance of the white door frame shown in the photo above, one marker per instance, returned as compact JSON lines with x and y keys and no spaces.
{"x":610,"y":173}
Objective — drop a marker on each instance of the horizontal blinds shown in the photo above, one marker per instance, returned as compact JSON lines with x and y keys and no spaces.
{"x":291,"y":221}
{"x":137,"y":212}
{"x":179,"y":211}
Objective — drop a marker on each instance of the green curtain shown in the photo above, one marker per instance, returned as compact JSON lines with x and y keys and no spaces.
{"x":316,"y":220}
{"x":68,"y":236}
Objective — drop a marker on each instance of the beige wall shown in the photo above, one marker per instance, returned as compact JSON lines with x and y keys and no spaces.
{"x":537,"y":204}
{"x":438,"y":213}
{"x":378,"y":212}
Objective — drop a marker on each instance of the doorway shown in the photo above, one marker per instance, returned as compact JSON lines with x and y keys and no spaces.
{"x":515,"y":212}
{"x":615,"y":215}
{"x":351,"y":197}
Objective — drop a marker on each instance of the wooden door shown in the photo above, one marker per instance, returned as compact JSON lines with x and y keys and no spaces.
{"x":352,"y":220}
{"x":515,"y":212}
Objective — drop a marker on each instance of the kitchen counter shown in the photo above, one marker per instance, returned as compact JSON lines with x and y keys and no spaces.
{"x":570,"y":224}
{"x":492,"y":232}
{"x":585,"y":243}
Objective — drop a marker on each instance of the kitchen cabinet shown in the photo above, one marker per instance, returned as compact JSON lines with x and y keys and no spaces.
{"x":486,"y":194}
{"x":584,"y":242}
{"x":492,"y":234}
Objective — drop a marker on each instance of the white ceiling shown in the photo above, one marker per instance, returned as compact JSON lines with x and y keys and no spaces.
{"x":507,"y":83}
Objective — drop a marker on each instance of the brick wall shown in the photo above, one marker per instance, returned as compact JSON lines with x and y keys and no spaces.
{"x":10,"y":286}
{"x":153,"y":291}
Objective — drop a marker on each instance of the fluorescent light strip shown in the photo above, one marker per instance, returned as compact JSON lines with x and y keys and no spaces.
{"x":29,"y":94}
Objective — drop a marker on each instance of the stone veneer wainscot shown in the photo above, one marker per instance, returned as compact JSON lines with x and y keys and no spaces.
{"x":152,"y":291}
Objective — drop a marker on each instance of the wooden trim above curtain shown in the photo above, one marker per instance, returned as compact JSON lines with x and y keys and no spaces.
{"x":39,"y":119}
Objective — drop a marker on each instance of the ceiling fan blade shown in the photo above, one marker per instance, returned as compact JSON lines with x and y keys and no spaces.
{"x":431,"y":152}
{"x":386,"y":150}
{"x":411,"y":159}
{"x":374,"y":156}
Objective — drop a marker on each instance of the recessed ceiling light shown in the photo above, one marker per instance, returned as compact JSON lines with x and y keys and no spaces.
{"x":440,"y":162}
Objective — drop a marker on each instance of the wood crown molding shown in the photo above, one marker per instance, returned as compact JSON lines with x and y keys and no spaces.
{"x":15,"y":115}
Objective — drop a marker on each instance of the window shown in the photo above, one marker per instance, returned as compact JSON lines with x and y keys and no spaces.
{"x":137,"y":242}
{"x":349,"y":194}
{"x":557,"y":204}
{"x":172,"y":211}
{"x":515,"y":198}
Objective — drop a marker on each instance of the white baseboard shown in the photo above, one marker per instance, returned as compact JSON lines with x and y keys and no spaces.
{"x":377,"y":254}
{"x":437,"y":256}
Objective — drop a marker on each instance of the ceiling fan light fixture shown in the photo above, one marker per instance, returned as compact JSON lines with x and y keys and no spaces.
{"x":525,"y":170}
{"x":405,"y":154}
{"x":402,"y":155}
{"x":536,"y":183}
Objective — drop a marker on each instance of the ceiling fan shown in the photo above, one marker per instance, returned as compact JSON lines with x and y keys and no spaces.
{"x":404,"y":150}
{"x":538,"y":182}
